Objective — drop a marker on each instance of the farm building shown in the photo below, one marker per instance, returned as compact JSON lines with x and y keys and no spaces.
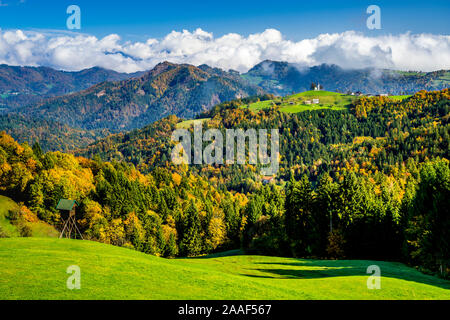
{"x":267,"y":179}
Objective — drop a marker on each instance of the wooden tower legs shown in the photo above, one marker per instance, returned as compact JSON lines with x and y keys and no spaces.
{"x":70,"y":225}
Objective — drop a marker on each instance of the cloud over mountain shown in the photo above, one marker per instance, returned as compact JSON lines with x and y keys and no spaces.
{"x":75,"y":51}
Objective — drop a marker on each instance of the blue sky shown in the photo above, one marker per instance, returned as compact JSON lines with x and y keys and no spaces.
{"x":132,"y":35}
{"x":296,"y":20}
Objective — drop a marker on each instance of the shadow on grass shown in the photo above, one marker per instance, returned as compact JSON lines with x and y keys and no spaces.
{"x":316,"y":269}
{"x":228,"y":253}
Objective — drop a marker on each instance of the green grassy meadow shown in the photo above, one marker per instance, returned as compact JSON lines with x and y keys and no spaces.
{"x":297,"y":102}
{"x":6,"y":227}
{"x":399,"y":98}
{"x":189,"y":123}
{"x":35,"y":268}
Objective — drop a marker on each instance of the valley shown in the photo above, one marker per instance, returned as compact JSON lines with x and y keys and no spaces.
{"x":362,"y":180}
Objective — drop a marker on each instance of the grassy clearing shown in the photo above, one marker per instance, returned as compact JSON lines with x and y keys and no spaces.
{"x":7,"y":204}
{"x":298,"y":102}
{"x":38,"y":229}
{"x":189,"y":123}
{"x":399,"y":98}
{"x":34,"y":268}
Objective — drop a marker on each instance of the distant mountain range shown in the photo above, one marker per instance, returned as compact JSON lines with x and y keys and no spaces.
{"x":183,"y":90}
{"x":20,"y":86}
{"x":99,"y":99}
{"x":282,"y":78}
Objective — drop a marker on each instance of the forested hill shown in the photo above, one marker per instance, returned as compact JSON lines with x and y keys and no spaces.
{"x":372,"y":183}
{"x":183,"y":90}
{"x":51,"y":135}
{"x":21,"y":86}
{"x":376,"y":135}
{"x":121,"y":102}
{"x":282,"y":78}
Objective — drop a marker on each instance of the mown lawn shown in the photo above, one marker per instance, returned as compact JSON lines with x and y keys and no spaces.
{"x":35,"y":268}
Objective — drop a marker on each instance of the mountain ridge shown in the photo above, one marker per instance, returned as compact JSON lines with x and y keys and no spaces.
{"x":21,"y":86}
{"x":185,"y":90}
{"x":180,"y":89}
{"x":282,"y":78}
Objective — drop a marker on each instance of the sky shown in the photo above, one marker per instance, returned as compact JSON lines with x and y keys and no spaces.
{"x":134,"y":35}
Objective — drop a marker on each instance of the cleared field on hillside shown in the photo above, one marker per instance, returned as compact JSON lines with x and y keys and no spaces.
{"x":38,"y":228}
{"x":34,"y":268}
{"x":399,"y":98}
{"x":299,"y":102}
{"x":189,"y":123}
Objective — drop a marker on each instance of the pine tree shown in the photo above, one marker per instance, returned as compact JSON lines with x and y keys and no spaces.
{"x":37,"y":150}
{"x":429,"y":221}
{"x":299,"y":202}
{"x":191,"y":240}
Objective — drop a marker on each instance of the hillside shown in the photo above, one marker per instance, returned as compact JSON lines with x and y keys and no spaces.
{"x":282,"y":78}
{"x":36,"y":269}
{"x":114,"y":101}
{"x":305,"y":101}
{"x":376,"y":173}
{"x":319,"y":146}
{"x":168,"y":89}
{"x":21,"y":86}
{"x":18,"y":221}
{"x":51,"y":135}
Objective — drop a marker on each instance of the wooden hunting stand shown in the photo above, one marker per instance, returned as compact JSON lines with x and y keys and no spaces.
{"x":67,"y":209}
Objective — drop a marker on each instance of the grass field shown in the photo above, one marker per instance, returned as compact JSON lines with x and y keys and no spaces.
{"x":188,"y":123}
{"x":297,"y":102}
{"x":399,"y":98}
{"x":35,"y":268}
{"x":7,"y":204}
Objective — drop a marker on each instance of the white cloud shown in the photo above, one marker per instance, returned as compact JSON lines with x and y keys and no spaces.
{"x":74,"y":51}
